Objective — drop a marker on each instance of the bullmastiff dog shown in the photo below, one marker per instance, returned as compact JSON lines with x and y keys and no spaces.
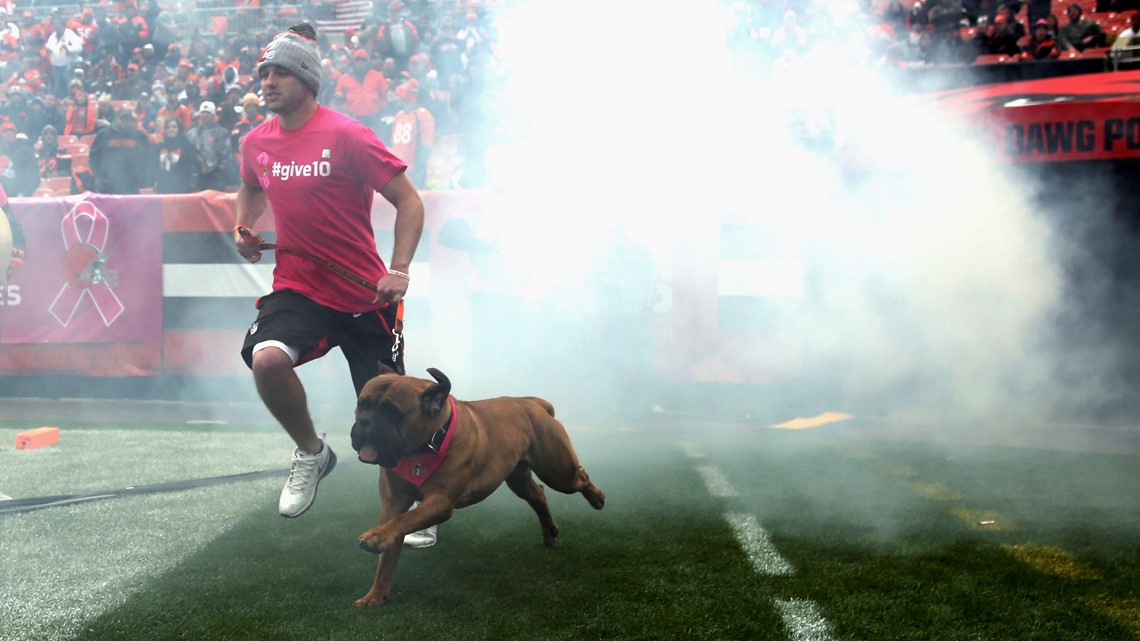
{"x":449,"y":454}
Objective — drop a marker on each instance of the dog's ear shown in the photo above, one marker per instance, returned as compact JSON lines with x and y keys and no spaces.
{"x":433,"y":398}
{"x":384,"y":369}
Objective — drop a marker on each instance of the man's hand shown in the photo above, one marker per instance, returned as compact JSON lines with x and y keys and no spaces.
{"x":392,"y":288}
{"x":17,"y":262}
{"x":248,"y":243}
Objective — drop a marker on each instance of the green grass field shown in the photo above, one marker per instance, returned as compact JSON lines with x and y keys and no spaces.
{"x":878,"y":539}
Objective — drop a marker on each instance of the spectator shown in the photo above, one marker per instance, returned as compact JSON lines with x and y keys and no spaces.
{"x":948,"y":48}
{"x":48,"y":154}
{"x":81,"y":114}
{"x":176,"y":109}
{"x":120,"y":156}
{"x":19,"y":169}
{"x":131,"y":86}
{"x":1008,"y":12}
{"x":1130,"y":37}
{"x":212,"y":144}
{"x":397,"y":38}
{"x":996,"y":38}
{"x":251,"y":117}
{"x":790,"y":36}
{"x":413,"y":133}
{"x":19,"y":111}
{"x":1081,"y":33}
{"x":55,"y":114}
{"x":1041,"y":44}
{"x":104,"y":74}
{"x":63,"y":47}
{"x":229,"y":109}
{"x":365,"y":89}
{"x":447,"y":50}
{"x":177,"y":160}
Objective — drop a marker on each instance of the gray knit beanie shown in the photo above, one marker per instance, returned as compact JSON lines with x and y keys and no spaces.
{"x":296,"y":54}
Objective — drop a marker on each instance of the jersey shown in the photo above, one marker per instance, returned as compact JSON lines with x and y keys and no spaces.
{"x":320,"y":180}
{"x":410,"y":129}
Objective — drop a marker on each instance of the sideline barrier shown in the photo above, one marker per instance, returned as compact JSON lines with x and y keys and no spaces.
{"x":107,"y":298}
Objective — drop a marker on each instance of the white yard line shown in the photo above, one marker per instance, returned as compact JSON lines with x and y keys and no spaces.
{"x":716,"y":482}
{"x":801,"y":617}
{"x":803,"y":620}
{"x":756,"y":543}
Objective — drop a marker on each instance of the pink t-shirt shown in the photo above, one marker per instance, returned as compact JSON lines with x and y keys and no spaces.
{"x":320,"y":180}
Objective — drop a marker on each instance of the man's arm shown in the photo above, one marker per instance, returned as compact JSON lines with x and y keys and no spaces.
{"x":250,"y":204}
{"x":409,"y":226}
{"x":19,"y":255}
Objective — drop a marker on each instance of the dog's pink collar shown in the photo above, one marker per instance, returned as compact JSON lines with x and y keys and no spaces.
{"x":418,"y":468}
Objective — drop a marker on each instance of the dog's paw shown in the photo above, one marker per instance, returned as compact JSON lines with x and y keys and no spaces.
{"x":370,"y":541}
{"x":371,"y":600}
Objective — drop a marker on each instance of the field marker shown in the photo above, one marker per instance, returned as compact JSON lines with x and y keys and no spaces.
{"x":39,"y":437}
{"x":826,"y":418}
{"x":803,"y":620}
{"x":934,"y":491}
{"x":757,"y":545}
{"x":716,"y":482}
{"x":1053,"y":561}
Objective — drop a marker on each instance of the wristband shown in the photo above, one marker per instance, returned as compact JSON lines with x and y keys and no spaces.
{"x":399,"y":274}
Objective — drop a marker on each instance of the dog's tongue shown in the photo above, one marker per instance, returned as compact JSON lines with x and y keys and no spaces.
{"x":368,"y":454}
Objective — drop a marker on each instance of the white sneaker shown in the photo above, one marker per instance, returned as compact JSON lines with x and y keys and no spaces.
{"x":301,"y":488}
{"x":425,"y":538}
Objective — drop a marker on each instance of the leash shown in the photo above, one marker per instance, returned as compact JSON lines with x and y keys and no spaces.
{"x":16,"y":506}
{"x":338,"y":269}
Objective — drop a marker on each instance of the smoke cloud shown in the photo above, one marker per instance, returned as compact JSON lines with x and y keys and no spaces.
{"x":924,"y":274}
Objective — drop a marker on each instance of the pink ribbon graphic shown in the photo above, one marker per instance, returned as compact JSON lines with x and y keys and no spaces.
{"x":90,"y":280}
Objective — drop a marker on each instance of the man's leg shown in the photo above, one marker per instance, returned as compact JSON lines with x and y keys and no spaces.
{"x":284,"y":395}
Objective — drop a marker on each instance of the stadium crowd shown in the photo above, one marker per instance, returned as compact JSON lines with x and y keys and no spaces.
{"x":94,"y":92}
{"x":137,"y":97}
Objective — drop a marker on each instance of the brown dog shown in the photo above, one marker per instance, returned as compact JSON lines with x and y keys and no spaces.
{"x":449,"y":454}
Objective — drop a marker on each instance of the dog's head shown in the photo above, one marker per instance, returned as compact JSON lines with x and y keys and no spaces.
{"x":396,"y":415}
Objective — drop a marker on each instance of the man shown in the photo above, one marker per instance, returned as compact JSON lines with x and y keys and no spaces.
{"x":212,"y":143}
{"x":251,"y":117}
{"x":1080,"y":34}
{"x":120,"y":156}
{"x":365,"y":89}
{"x":63,"y":49}
{"x":397,"y":38}
{"x":319,"y":170}
{"x":413,"y":132}
{"x":19,"y":169}
{"x":18,"y":253}
{"x":1122,"y":47}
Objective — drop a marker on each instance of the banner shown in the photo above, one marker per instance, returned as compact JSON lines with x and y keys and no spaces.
{"x":93,"y":272}
{"x":1069,"y":119}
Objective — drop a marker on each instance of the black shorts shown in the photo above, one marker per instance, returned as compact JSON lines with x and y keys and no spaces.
{"x":365,"y":339}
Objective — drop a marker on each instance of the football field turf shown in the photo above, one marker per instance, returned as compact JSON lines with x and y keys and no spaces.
{"x":711,"y":531}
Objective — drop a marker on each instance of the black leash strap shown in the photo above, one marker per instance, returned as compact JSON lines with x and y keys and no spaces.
{"x":338,"y":269}
{"x":343,"y":271}
{"x":16,"y":506}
